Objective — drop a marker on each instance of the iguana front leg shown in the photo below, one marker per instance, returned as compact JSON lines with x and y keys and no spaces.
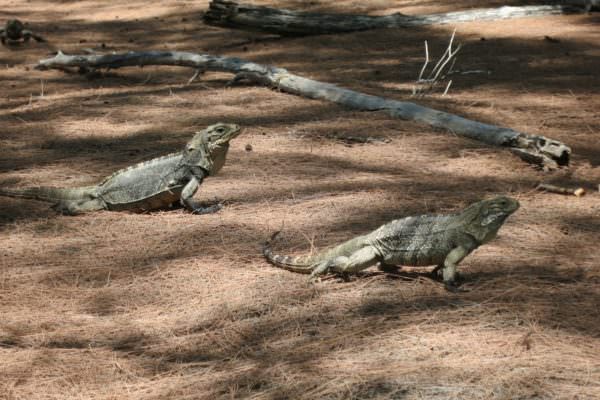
{"x":450,"y":263}
{"x":188,"y":202}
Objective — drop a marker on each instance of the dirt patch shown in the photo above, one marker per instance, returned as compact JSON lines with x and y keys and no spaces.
{"x":170,"y":305}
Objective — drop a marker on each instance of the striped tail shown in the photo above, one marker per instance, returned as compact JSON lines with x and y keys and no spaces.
{"x":302,"y":264}
{"x":49,"y":194}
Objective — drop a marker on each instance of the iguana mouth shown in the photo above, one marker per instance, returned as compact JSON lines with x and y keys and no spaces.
{"x":235,"y":130}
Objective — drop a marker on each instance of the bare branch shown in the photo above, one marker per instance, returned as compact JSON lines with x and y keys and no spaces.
{"x":560,"y":190}
{"x":426,"y":62}
{"x":423,"y":86}
{"x":542,"y":150}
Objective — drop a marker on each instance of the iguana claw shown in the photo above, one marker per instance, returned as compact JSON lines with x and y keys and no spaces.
{"x":437,"y":274}
{"x":454,"y":287}
{"x":208,"y":210}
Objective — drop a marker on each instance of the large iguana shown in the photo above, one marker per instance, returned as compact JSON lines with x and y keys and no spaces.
{"x":14,"y":30}
{"x":149,"y":185}
{"x":442,"y":240}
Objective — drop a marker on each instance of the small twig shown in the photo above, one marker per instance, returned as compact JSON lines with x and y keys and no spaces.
{"x":436,"y":74}
{"x":450,"y":55}
{"x":560,"y":190}
{"x":442,"y":58}
{"x":198,"y":72}
{"x":451,"y":69}
{"x":426,"y":62}
{"x":469,"y":72}
{"x":147,"y":79}
{"x":310,"y":240}
{"x":447,"y":87}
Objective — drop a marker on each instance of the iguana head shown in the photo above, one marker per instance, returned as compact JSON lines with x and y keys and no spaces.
{"x":208,"y":148}
{"x":484,"y":219}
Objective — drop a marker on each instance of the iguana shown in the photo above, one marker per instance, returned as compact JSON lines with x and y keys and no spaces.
{"x":14,"y":30}
{"x":442,"y":240}
{"x":149,"y":185}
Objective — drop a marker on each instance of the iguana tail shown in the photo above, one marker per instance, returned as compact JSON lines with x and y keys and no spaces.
{"x":50,"y":194}
{"x":302,"y":264}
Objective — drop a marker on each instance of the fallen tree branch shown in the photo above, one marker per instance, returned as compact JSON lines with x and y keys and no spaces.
{"x":293,"y":23}
{"x":546,"y":187}
{"x":546,"y":152}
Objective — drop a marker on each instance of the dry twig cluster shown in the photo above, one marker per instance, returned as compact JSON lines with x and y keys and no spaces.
{"x":424,"y":86}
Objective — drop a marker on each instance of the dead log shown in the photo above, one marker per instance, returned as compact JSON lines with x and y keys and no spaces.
{"x":231,"y":14}
{"x":546,"y":187}
{"x":541,"y":150}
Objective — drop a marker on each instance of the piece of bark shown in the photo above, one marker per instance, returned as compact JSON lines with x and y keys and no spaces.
{"x":546,"y":152}
{"x":546,"y":187}
{"x":293,"y":23}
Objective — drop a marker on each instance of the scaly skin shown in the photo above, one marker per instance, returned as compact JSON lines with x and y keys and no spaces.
{"x":14,"y":31}
{"x":149,"y":185}
{"x":442,"y":240}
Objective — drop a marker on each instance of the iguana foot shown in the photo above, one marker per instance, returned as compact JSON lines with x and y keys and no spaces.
{"x":319,"y":270}
{"x":438,"y":275}
{"x":390,"y":269}
{"x":454,"y":287}
{"x":208,"y":210}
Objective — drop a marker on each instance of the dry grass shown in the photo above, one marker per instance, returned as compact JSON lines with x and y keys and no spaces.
{"x":170,"y":305}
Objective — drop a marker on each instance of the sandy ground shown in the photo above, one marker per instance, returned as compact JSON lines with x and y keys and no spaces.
{"x":171,"y":305}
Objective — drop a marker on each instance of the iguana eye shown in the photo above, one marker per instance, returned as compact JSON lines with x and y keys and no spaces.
{"x":220,"y":129}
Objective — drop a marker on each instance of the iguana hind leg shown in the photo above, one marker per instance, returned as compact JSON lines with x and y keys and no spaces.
{"x":357,"y":261}
{"x":75,"y":207}
{"x":324,"y":266}
{"x":319,"y":269}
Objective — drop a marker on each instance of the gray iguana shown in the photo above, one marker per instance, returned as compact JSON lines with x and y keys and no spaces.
{"x":442,"y":240}
{"x":148,"y":185}
{"x":14,"y":30}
